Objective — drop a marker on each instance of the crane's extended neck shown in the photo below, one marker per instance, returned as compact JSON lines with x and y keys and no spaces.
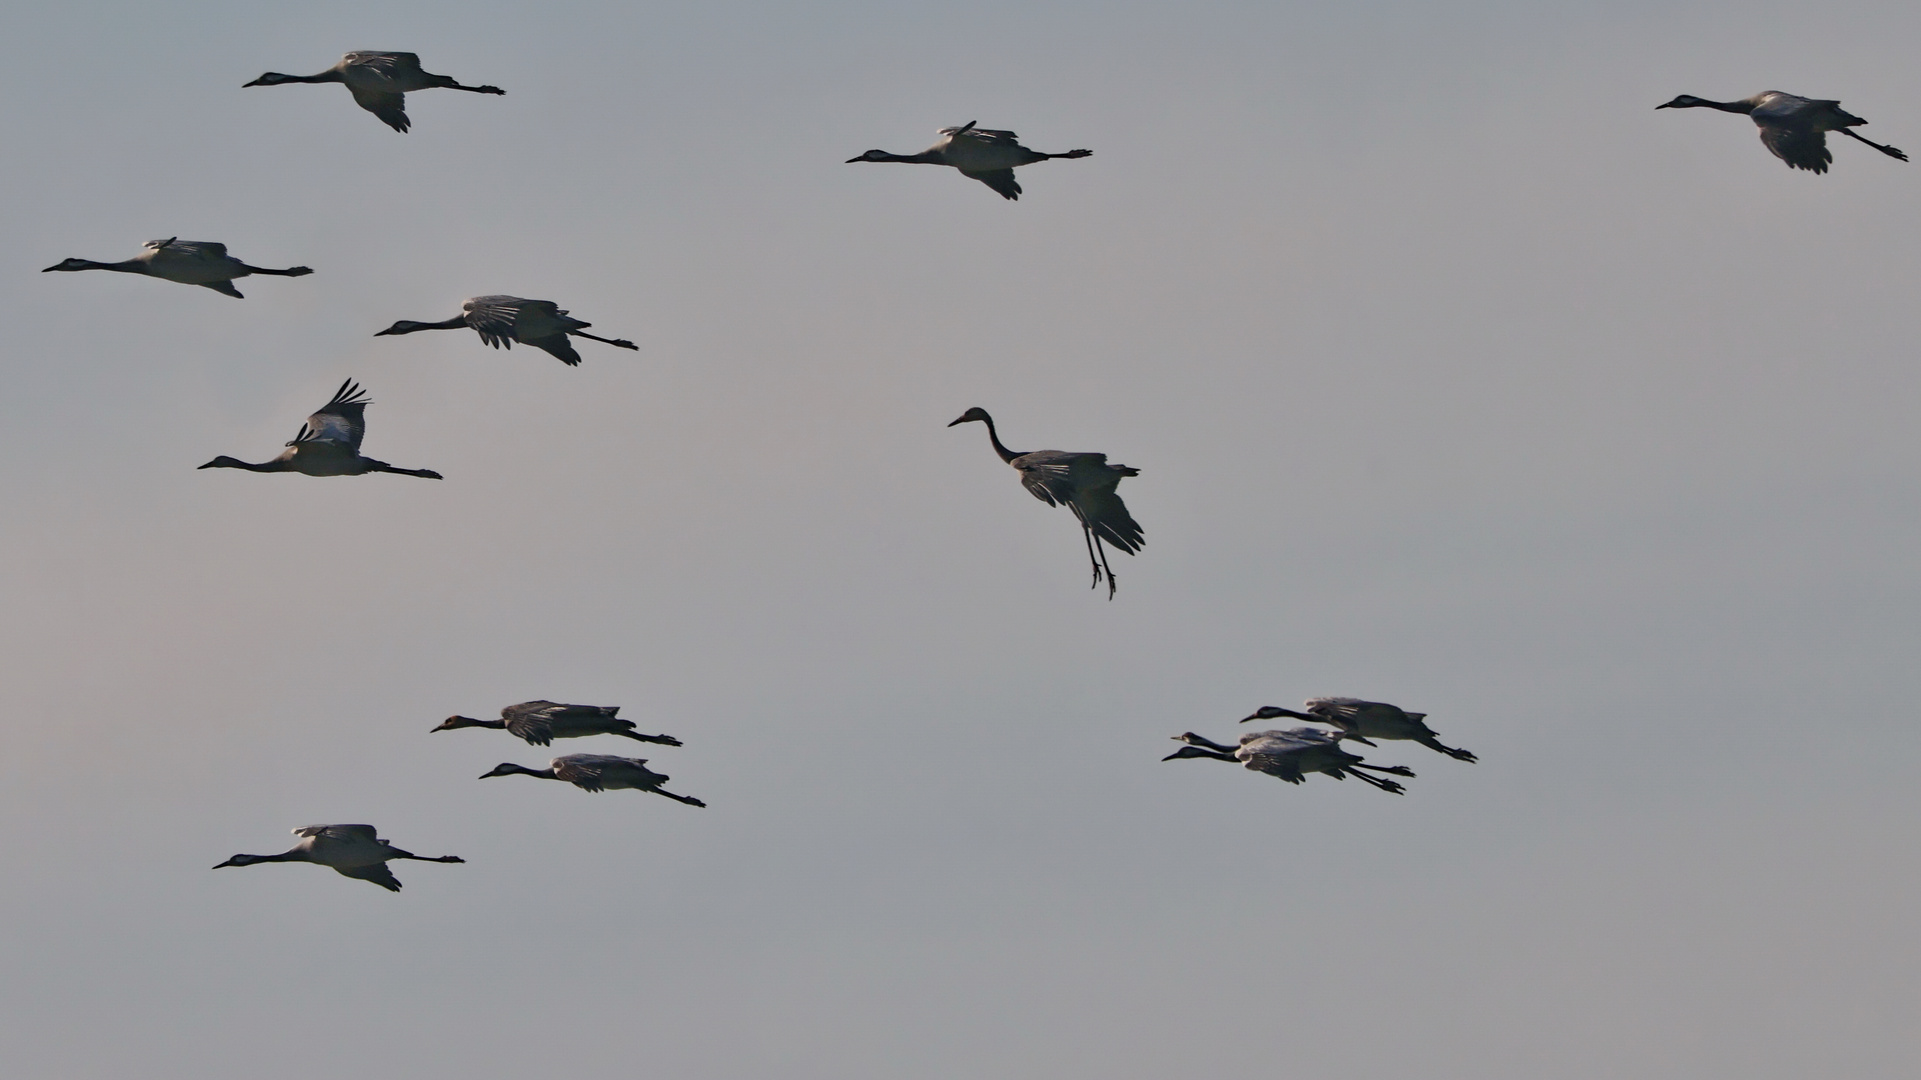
{"x":408,"y":326}
{"x":125,"y":266}
{"x":275,"y":78}
{"x":296,"y":855}
{"x":508,"y":768}
{"x":225,"y":462}
{"x":1689,"y":101}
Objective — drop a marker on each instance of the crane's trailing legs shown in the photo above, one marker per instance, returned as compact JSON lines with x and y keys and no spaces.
{"x":688,"y":799}
{"x":1888,"y":150}
{"x":1099,"y":562}
{"x":1435,"y":744}
{"x":1384,"y":785}
{"x":621,"y":343}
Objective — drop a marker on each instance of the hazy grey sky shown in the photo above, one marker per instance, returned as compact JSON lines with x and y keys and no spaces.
{"x":1457,"y":375}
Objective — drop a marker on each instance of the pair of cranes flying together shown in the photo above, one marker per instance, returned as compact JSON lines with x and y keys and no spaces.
{"x":1296,"y":754}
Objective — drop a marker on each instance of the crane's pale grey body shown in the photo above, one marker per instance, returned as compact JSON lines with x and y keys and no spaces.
{"x":541,"y":722}
{"x":983,"y":154}
{"x":1363,"y":721}
{"x":1793,"y":128}
{"x":501,"y":320}
{"x":354,"y":850}
{"x":597,"y":772}
{"x":188,"y":262}
{"x":1083,"y":482}
{"x":379,"y":83}
{"x":1292,"y":756}
{"x":328,"y":444}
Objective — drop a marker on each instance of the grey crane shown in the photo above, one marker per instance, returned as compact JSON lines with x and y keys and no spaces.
{"x":1793,"y":128}
{"x":1291,"y":756}
{"x":328,"y":443}
{"x":379,"y":82}
{"x":1085,"y":484}
{"x":189,"y":262}
{"x":979,"y":153}
{"x":355,"y":850}
{"x":502,"y":320}
{"x":541,"y":722}
{"x":597,"y":772}
{"x":1366,"y":720}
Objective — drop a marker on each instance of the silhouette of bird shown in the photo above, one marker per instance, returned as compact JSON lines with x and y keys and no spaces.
{"x":1085,"y":484}
{"x":541,"y":722}
{"x":597,"y":772}
{"x":1794,"y":128}
{"x":979,"y":153}
{"x":1291,"y":756}
{"x":379,"y":82}
{"x":328,"y":443}
{"x":354,"y":850}
{"x":502,"y":320}
{"x":189,"y":262}
{"x":1366,"y":720}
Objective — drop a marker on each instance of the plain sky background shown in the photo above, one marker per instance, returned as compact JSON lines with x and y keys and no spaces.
{"x":1458,"y":377}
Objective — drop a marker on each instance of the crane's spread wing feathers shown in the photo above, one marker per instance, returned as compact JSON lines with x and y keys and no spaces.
{"x":986,"y":135}
{"x":386,"y":64}
{"x":1800,"y":145}
{"x":534,"y":720}
{"x":378,"y":873}
{"x":339,"y":832}
{"x":1001,"y":180}
{"x":584,"y":771}
{"x":1103,"y":512}
{"x":342,"y":420}
{"x":192,"y":249}
{"x":1049,"y":482}
{"x":389,"y":105}
{"x":557,"y":345}
{"x":1335,"y":706}
{"x":495,"y":318}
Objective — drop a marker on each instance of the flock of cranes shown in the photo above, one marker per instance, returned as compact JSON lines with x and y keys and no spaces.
{"x":328,"y":444}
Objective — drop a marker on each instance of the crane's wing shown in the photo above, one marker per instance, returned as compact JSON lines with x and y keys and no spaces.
{"x":342,"y":420}
{"x":1801,"y":146}
{"x":374,"y":872}
{"x":1335,"y":706}
{"x":389,"y":105}
{"x":532,"y":721}
{"x":192,"y":249}
{"x":1099,"y":506}
{"x":494,"y":317}
{"x":1001,"y":180}
{"x":1103,"y":512}
{"x":1284,"y":766}
{"x":339,"y":832}
{"x":1048,"y":474}
{"x":385,"y":64}
{"x":558,"y":345}
{"x":986,"y":135}
{"x":582,"y":770}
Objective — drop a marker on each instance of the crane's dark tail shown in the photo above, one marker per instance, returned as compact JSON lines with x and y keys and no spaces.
{"x":1888,"y":150}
